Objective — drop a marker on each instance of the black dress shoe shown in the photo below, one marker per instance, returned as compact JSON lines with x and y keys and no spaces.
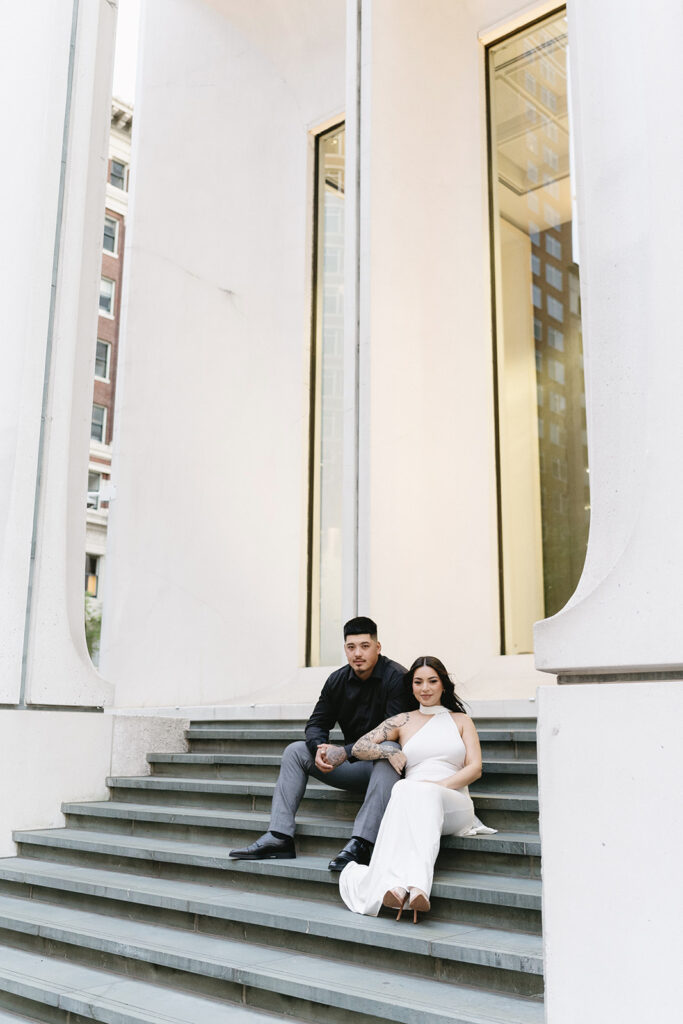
{"x":267,"y":847}
{"x":356,"y":851}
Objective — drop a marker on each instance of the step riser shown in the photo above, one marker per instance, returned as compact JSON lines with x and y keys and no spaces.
{"x":236,"y":838}
{"x":33,"y":1011}
{"x":299,"y":724}
{"x":492,"y":782}
{"x":233,"y":838}
{"x":203,"y":980}
{"x":502,"y":750}
{"x":344,"y":807}
{"x":233,"y":991}
{"x":460,"y":911}
{"x":514,"y":865}
{"x":510,"y":978}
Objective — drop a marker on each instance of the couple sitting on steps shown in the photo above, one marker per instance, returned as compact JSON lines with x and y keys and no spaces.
{"x":391,"y":720}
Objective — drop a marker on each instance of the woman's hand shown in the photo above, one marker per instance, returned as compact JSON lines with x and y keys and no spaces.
{"x":397,"y":759}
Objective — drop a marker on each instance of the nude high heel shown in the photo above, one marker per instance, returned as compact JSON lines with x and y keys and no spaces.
{"x":418,"y":901}
{"x":395,"y":899}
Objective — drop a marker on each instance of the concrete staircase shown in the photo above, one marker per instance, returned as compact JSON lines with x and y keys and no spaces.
{"x":135,"y":913}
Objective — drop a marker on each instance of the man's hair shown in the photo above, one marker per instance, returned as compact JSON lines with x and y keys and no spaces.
{"x":361,"y":624}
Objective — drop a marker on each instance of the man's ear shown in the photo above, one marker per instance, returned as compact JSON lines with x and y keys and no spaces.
{"x":379,"y":647}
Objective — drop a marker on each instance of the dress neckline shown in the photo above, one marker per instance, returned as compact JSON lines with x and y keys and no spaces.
{"x":432,"y":709}
{"x":430,"y":718}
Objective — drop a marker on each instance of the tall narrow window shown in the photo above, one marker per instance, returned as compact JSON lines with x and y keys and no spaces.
{"x":327,"y":364}
{"x":543,"y":460}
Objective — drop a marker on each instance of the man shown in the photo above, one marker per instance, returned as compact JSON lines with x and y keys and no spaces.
{"x":358,"y":696}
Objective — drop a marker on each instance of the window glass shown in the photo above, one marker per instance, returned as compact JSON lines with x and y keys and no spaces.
{"x":97,"y":423}
{"x":110,"y":234}
{"x":106,"y":296}
{"x":325,"y":597}
{"x":117,"y":175}
{"x":102,"y":360}
{"x":545,"y":502}
{"x":94,"y":482}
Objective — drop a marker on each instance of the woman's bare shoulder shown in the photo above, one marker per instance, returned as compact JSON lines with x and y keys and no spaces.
{"x":462,"y":720}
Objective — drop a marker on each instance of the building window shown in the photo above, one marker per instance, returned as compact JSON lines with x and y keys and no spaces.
{"x":98,"y":423}
{"x":92,"y":570}
{"x":107,"y":289}
{"x":102,"y":359}
{"x":110,"y":241}
{"x":556,"y":339}
{"x":543,"y":513}
{"x":553,"y":247}
{"x":555,"y":308}
{"x":327,"y":405}
{"x":94,"y":484}
{"x":118,"y":175}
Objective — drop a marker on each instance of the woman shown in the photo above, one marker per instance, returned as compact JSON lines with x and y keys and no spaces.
{"x":441,"y":754}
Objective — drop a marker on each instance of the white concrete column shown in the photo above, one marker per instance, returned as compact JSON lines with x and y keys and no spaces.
{"x":427,"y":497}
{"x":609,"y":755}
{"x":56,"y":68}
{"x":626,"y":86}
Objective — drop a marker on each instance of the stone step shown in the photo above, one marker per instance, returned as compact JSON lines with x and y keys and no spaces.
{"x":304,"y":875}
{"x":499,"y":901}
{"x":481,"y":722}
{"x":186,"y":896}
{"x":231,"y":827}
{"x":225,"y":967}
{"x":497,"y":742}
{"x":61,"y":989}
{"x":516,"y":777}
{"x":315,"y":791}
{"x":12,"y":1018}
{"x":499,"y":959}
{"x":508,"y":811}
{"x":510,"y":766}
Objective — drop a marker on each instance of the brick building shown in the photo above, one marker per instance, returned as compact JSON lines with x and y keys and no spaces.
{"x":107,"y":342}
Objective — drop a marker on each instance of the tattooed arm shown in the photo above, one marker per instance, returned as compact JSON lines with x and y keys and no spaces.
{"x":378,"y":743}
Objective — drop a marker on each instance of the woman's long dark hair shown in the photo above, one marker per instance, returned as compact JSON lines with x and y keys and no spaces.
{"x":449,"y":698}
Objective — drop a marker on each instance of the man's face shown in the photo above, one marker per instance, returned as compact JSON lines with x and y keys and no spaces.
{"x":362,"y":653}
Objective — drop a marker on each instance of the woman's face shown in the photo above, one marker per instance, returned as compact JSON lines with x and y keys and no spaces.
{"x":427,"y":686}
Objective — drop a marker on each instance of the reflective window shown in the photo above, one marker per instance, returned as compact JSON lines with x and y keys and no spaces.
{"x":325,"y":568}
{"x":545,"y":503}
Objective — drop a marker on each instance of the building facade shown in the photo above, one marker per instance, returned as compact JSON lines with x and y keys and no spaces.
{"x":400,"y":280}
{"x":107,"y":349}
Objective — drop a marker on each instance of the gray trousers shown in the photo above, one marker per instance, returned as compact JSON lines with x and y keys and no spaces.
{"x":374,"y":778}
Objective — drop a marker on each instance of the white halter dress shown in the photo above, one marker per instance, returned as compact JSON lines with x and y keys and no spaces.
{"x":417,"y":815}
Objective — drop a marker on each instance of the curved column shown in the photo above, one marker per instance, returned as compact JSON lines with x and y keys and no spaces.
{"x":61,"y":84}
{"x":626,"y":87}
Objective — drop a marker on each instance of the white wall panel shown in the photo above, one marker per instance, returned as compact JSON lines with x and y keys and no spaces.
{"x":208,"y":526}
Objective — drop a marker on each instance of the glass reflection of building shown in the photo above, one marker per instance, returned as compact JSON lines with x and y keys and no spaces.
{"x":325,"y":563}
{"x":544,"y":492}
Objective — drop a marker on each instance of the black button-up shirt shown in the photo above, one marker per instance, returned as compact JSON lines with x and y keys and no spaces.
{"x":359,"y":705}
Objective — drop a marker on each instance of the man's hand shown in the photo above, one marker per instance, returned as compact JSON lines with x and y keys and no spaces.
{"x":328,"y":757}
{"x":320,"y":762}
